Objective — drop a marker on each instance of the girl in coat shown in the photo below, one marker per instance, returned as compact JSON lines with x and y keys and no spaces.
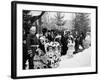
{"x":71,"y":45}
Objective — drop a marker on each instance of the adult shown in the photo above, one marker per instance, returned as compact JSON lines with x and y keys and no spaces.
{"x":32,"y":44}
{"x":76,"y":37}
{"x":64,"y":43}
{"x":43,"y":39}
{"x":49,"y":35}
{"x":24,"y":49}
{"x":81,"y":38}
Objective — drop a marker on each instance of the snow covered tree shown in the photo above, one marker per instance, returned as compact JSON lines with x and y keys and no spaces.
{"x":81,"y":22}
{"x":59,"y":20}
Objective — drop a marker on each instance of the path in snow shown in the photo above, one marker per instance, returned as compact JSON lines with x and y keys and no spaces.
{"x":81,"y":59}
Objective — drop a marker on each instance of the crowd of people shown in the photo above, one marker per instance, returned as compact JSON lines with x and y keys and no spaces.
{"x":45,"y":50}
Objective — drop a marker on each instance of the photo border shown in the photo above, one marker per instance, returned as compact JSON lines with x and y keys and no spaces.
{"x":14,"y":38}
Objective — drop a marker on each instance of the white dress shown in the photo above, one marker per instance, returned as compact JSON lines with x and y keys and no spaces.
{"x":53,"y":54}
{"x":71,"y":48}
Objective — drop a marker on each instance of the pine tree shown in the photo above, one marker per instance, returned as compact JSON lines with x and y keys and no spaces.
{"x":81,"y":22}
{"x":59,"y":20}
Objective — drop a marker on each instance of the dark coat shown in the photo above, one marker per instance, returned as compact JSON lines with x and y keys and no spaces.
{"x":31,"y":40}
{"x":64,"y":42}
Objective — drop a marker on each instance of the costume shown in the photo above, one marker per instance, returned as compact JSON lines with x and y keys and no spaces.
{"x":71,"y":48}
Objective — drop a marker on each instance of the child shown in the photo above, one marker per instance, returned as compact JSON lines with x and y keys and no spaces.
{"x":70,"y":45}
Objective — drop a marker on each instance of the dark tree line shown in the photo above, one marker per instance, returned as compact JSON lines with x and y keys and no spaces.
{"x":28,"y":20}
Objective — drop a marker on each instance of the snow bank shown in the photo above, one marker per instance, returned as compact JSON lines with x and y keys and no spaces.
{"x":81,"y":59}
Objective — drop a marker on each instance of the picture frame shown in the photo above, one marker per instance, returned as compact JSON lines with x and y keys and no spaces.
{"x":17,"y":21}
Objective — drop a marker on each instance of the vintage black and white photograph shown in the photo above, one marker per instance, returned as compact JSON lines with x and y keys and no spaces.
{"x":53,"y":39}
{"x":56,"y":39}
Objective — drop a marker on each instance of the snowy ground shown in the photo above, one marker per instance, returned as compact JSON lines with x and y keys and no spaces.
{"x":81,"y":59}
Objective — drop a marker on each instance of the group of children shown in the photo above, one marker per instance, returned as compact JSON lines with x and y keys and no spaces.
{"x":45,"y":50}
